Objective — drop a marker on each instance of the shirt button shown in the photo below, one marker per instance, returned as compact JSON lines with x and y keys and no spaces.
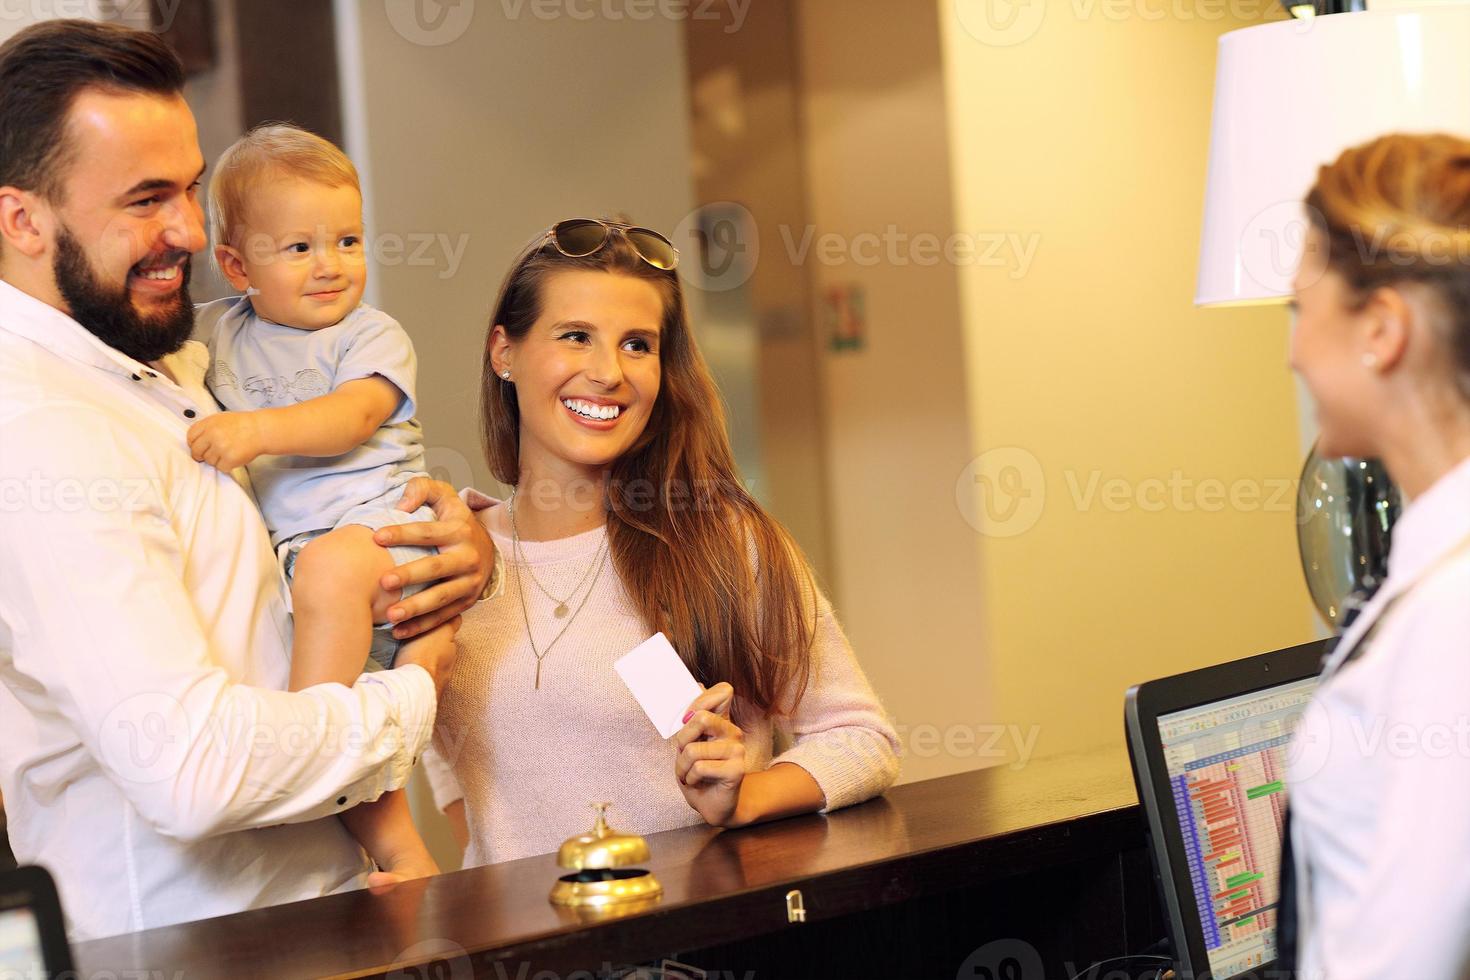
{"x":137,"y":377}
{"x":341,"y":801}
{"x":151,"y":374}
{"x":189,"y":413}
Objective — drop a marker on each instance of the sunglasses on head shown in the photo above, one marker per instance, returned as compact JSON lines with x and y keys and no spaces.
{"x":578,"y":237}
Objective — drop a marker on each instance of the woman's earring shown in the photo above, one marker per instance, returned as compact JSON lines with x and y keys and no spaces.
{"x":1370,"y":360}
{"x":505,"y":375}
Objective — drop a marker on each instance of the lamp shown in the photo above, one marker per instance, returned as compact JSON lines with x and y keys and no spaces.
{"x":1289,"y":97}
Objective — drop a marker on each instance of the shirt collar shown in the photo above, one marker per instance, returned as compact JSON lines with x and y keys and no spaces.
{"x":1437,"y":521}
{"x":42,"y":324}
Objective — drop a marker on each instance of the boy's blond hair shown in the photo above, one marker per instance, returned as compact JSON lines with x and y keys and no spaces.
{"x":270,"y":150}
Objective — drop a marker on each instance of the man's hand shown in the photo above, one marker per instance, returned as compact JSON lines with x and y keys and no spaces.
{"x":434,"y":651}
{"x":226,"y":440}
{"x":462,"y":568}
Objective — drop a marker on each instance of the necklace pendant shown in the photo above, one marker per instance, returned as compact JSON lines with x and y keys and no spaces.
{"x":538,"y":675}
{"x":561,"y":610}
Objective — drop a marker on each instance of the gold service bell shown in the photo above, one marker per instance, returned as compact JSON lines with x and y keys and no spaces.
{"x":603,"y":875}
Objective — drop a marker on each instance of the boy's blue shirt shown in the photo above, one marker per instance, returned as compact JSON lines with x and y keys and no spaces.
{"x":255,"y":363}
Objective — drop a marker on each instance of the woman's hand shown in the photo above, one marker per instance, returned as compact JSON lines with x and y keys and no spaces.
{"x":462,"y":568}
{"x":711,"y":763}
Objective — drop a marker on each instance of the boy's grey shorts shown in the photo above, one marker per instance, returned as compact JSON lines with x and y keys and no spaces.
{"x":373,"y":516}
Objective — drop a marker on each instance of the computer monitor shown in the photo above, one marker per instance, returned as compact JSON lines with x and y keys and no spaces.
{"x":1209,"y":757}
{"x":32,"y":931}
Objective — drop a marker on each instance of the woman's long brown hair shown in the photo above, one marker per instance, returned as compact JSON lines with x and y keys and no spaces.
{"x":702,"y":561}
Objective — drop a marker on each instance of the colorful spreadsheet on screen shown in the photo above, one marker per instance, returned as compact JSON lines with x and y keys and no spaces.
{"x":1227,"y":769}
{"x":20,"y":945}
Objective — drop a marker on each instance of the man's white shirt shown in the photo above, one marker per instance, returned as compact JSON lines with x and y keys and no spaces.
{"x":150,"y":756}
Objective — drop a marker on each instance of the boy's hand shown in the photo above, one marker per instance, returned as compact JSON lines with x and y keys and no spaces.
{"x":226,"y":440}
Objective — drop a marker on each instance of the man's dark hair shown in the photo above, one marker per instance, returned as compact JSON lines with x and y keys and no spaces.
{"x":45,"y":67}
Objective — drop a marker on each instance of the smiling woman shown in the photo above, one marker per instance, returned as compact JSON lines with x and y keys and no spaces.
{"x":598,"y":408}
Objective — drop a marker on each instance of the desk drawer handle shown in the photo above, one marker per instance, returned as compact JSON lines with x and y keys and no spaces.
{"x":795,"y":909}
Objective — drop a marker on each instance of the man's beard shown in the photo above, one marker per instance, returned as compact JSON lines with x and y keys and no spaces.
{"x":109,"y":312}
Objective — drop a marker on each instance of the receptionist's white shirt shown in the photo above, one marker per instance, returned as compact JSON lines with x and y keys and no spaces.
{"x":1380,"y":768}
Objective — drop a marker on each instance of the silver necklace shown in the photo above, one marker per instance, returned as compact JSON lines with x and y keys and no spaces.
{"x":561,"y":604}
{"x":597,"y":563}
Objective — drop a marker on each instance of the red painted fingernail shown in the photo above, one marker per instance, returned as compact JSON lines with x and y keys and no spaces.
{"x":689,"y":714}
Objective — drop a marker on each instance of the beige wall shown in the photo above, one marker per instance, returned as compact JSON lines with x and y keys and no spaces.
{"x":898,"y":428}
{"x":748,"y":150}
{"x":1089,"y":130}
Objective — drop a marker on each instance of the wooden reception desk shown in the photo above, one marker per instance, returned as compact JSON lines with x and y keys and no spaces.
{"x":1030,"y":872}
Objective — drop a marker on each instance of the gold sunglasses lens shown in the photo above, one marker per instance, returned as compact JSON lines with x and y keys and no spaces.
{"x":656,"y":250}
{"x":579,"y":236}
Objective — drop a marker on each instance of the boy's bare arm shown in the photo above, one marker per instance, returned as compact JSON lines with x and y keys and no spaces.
{"x":328,"y":425}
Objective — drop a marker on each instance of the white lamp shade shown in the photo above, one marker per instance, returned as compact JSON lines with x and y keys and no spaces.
{"x":1290,"y":97}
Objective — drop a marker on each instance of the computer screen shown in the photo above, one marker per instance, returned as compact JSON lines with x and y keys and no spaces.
{"x":21,"y":953}
{"x":1226,"y":763}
